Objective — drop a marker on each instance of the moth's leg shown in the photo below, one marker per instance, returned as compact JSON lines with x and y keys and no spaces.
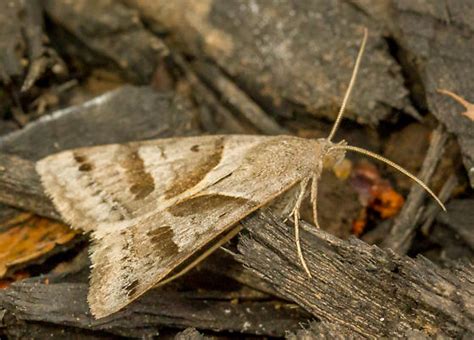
{"x":314,"y":198}
{"x":296,"y":216}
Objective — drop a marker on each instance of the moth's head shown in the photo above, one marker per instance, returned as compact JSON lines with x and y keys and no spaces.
{"x":331,"y":154}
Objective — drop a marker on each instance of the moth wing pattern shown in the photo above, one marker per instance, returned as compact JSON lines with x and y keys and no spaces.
{"x":151,"y":205}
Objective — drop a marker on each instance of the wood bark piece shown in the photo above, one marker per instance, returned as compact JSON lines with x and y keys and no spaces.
{"x":223,"y":263}
{"x":29,"y":303}
{"x":433,"y":209}
{"x":20,"y":186}
{"x":368,"y":290}
{"x":460,"y":218}
{"x":237,"y":99}
{"x":436,"y":43}
{"x":190,"y":334}
{"x":321,"y":330}
{"x":41,"y":57}
{"x":293,"y":57}
{"x":215,"y":118}
{"x":126,"y":114}
{"x":403,"y":230}
{"x":11,"y":41}
{"x":22,"y":36}
{"x":112,"y":31}
{"x":325,"y":330}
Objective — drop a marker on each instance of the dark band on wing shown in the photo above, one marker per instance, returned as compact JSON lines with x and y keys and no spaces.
{"x":141,"y":182}
{"x":187,"y":178}
{"x":162,"y":242}
{"x":162,"y":249}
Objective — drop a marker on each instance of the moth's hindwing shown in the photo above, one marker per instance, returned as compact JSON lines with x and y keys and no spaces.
{"x":151,"y":205}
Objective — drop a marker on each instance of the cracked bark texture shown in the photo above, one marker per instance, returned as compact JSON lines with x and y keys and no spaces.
{"x":25,"y":54}
{"x":296,"y":56}
{"x":360,"y":288}
{"x":28,"y":305}
{"x":113,"y":32}
{"x":435,"y":44}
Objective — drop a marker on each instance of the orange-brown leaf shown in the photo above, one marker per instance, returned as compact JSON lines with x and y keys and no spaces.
{"x":387,"y":202}
{"x":375,"y":194}
{"x":358,"y":225}
{"x":27,"y":237}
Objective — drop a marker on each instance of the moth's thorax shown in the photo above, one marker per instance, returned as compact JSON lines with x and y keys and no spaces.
{"x":294,"y":156}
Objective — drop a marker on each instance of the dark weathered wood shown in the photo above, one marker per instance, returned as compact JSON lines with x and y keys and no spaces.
{"x":237,"y":99}
{"x":20,"y":186}
{"x":214,"y":116}
{"x":57,"y":305}
{"x":403,"y":230}
{"x":290,"y":57}
{"x":22,"y":36}
{"x":224,"y":263}
{"x":436,"y":45}
{"x":433,"y":209}
{"x":325,"y":330}
{"x":190,"y":334}
{"x":39,"y":331}
{"x":321,"y":330}
{"x":11,"y":40}
{"x":126,"y":114}
{"x":460,"y":218}
{"x":113,"y":32}
{"x":363,"y":288}
{"x":41,"y":57}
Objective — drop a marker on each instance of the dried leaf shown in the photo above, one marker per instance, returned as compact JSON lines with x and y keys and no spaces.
{"x":375,"y":194}
{"x":469,"y":113}
{"x":358,"y":225}
{"x":27,"y":237}
{"x":387,"y":202}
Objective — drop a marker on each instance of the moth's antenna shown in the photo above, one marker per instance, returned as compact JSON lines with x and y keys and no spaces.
{"x":351,"y":85}
{"x":392,"y":164}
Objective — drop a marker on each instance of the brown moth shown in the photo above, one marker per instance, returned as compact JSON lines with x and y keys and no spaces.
{"x":152,"y":206}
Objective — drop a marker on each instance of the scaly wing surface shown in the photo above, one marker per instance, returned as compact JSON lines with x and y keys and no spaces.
{"x":151,"y":205}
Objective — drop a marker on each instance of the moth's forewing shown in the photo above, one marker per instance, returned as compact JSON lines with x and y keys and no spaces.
{"x":151,"y":205}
